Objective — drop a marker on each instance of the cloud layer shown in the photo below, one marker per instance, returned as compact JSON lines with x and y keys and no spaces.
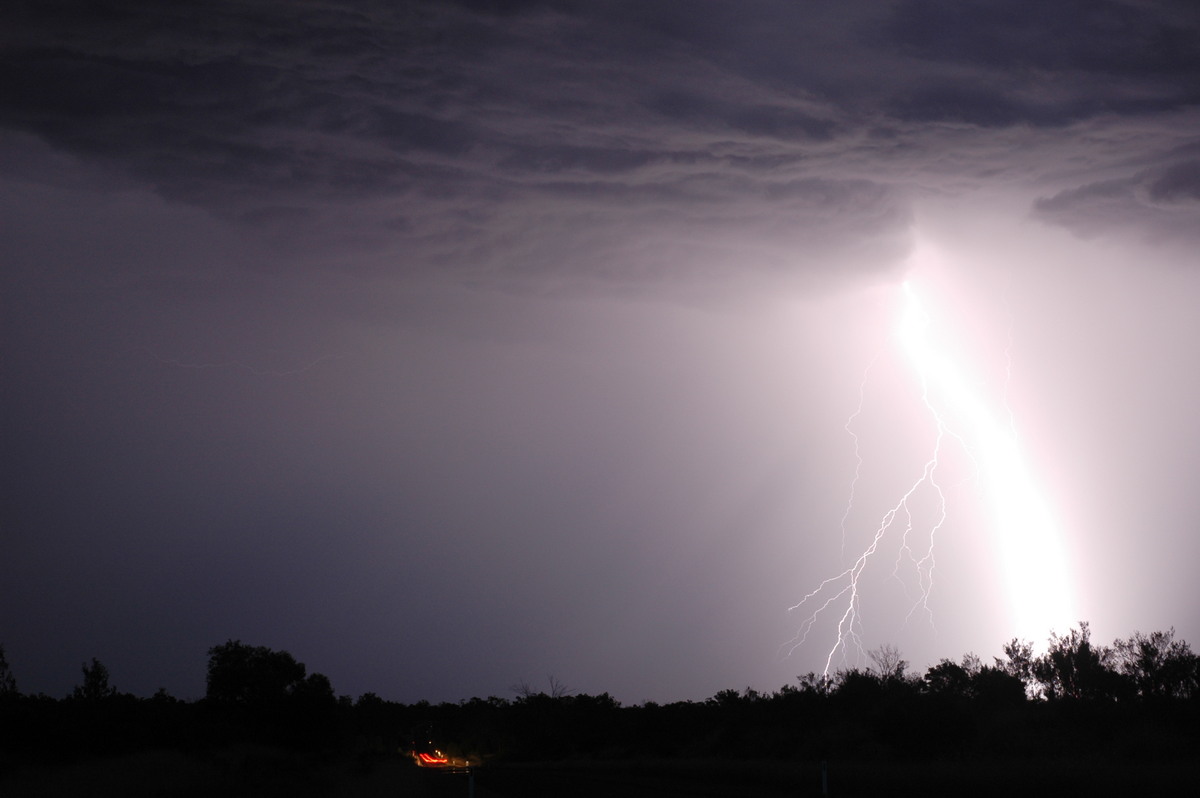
{"x":565,"y":141}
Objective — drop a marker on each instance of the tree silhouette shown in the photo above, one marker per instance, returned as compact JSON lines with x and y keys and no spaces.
{"x":269,"y":696}
{"x":889,"y":664}
{"x":1018,"y":663}
{"x":95,"y":685}
{"x":985,"y":685}
{"x":1158,"y":666}
{"x":8,"y":684}
{"x":996,"y":687}
{"x":1078,"y":698}
{"x":1074,"y":669}
{"x":524,"y":689}
{"x":251,"y":676}
{"x":948,"y":678}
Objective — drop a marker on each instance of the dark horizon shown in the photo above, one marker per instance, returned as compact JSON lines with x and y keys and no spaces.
{"x":1143,"y":665}
{"x":1082,"y":716}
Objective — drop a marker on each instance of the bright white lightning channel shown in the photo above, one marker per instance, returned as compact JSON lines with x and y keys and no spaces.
{"x":1029,"y":545}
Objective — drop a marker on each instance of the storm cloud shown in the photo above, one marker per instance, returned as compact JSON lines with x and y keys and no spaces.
{"x":467,"y":138}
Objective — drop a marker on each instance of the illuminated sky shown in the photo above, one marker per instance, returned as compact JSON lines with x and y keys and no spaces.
{"x":448,"y":345}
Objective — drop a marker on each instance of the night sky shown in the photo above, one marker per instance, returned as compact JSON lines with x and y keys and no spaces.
{"x":452,"y":345}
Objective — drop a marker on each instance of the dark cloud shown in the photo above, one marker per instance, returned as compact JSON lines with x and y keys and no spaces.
{"x":1105,"y":36}
{"x":1048,"y":63}
{"x":308,"y":120}
{"x":785,"y":121}
{"x":1163,"y":203}
{"x":1176,"y":185}
{"x":254,"y":116}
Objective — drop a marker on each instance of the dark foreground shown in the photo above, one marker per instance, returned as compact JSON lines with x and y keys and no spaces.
{"x":982,"y":778}
{"x":266,"y":773}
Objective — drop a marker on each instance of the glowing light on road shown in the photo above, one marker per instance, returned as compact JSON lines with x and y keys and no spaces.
{"x":436,"y":759}
{"x":1032,"y":563}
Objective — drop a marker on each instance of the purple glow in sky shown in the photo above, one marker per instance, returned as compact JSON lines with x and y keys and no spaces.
{"x":448,"y":345}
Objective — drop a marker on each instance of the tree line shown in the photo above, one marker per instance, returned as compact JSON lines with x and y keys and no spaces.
{"x":1077,"y":695}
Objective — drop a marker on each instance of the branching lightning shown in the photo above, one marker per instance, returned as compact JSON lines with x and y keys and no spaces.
{"x":1031,"y":557}
{"x":858,"y":461}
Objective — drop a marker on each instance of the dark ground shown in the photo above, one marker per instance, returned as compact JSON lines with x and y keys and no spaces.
{"x":267,"y":773}
{"x":976,"y":778}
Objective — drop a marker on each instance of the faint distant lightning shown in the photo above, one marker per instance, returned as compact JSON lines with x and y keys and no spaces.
{"x":858,"y":461}
{"x":1032,"y":561}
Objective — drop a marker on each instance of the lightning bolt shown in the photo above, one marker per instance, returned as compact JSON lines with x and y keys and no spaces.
{"x":1031,"y":559}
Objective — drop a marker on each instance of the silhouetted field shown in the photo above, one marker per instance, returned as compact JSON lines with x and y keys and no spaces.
{"x":1080,"y":720}
{"x":982,"y":777}
{"x":266,"y":773}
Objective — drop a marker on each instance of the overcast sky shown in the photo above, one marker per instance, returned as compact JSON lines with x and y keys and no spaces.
{"x":450,"y":345}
